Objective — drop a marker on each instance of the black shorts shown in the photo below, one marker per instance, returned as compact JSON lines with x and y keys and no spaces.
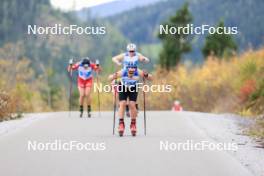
{"x":130,"y":93}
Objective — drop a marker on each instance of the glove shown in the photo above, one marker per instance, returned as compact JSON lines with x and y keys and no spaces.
{"x":115,"y":76}
{"x":119,"y":63}
{"x":145,"y":74}
{"x":70,"y":61}
{"x":97,"y":62}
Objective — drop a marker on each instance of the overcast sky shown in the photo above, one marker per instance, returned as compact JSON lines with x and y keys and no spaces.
{"x":76,"y":4}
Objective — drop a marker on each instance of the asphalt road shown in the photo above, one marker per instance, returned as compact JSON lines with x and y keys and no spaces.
{"x":109,"y":155}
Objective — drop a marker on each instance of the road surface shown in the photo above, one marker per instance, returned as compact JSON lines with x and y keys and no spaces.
{"x":126,"y":156}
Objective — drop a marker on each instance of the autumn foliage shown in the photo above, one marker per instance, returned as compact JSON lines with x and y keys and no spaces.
{"x":219,"y":85}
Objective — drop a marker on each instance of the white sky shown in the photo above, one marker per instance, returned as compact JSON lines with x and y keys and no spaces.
{"x":67,"y":5}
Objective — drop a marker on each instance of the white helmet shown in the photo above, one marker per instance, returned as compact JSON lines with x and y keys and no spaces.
{"x":131,"y":47}
{"x":176,"y":102}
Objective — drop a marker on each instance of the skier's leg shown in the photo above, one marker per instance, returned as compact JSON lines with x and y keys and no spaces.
{"x":122,"y":95}
{"x":88,"y":99}
{"x":133,"y":109}
{"x":121,"y":112}
{"x":122,"y":104}
{"x":127,"y":109}
{"x":81,"y":99}
{"x":133,"y":113}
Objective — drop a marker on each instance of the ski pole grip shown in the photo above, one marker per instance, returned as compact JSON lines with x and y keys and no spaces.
{"x":97,"y":62}
{"x":115,"y":77}
{"x":71,"y":62}
{"x":145,"y":73}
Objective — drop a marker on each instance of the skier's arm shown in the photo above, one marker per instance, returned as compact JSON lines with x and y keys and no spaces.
{"x":181,"y":109}
{"x":96,"y":67}
{"x":114,"y":76}
{"x":142,"y":58}
{"x":118,"y":59}
{"x":73,"y":66}
{"x":145,"y":74}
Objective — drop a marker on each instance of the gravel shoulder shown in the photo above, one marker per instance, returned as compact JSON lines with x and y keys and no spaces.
{"x":230,"y":128}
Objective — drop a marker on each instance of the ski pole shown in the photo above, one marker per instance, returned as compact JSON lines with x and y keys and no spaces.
{"x":98,"y":93}
{"x":144,"y":107}
{"x":70,"y":93}
{"x":114,"y":119}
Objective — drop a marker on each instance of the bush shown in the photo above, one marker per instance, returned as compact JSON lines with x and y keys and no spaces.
{"x":219,"y":85}
{"x":7,"y":106}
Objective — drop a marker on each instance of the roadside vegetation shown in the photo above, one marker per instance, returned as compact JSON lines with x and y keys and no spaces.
{"x":219,"y":85}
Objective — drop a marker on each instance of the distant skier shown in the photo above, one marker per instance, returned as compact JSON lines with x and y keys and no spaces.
{"x":127,"y":90}
{"x":85,"y":81}
{"x":130,"y":56}
{"x":177,"y":106}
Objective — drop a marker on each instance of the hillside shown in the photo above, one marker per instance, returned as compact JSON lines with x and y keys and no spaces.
{"x":37,"y":63}
{"x":140,"y":25}
{"x":119,"y":6}
{"x":54,"y":50}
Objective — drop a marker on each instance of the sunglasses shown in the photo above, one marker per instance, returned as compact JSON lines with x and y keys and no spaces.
{"x":131,"y":51}
{"x":132,"y":67}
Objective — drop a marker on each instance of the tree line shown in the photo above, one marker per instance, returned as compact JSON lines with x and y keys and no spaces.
{"x":175,"y":45}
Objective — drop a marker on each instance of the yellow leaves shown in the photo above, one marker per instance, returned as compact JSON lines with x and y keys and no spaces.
{"x":23,"y":71}
{"x":214,"y":86}
{"x":246,"y":112}
{"x":17,"y":80}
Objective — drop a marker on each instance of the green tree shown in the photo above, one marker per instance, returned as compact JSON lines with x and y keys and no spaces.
{"x":176,"y":44}
{"x":219,"y":44}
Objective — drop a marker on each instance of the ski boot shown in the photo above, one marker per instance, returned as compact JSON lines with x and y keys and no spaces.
{"x":89,"y":111}
{"x":133,"y":127}
{"x":127,"y":111}
{"x":81,"y":111}
{"x":121,"y":127}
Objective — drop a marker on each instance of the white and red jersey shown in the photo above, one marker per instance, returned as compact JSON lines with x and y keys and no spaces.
{"x":177,"y":107}
{"x":84,"y":73}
